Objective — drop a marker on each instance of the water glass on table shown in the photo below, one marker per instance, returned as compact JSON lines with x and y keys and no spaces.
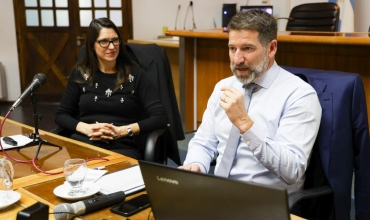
{"x":6,"y":179}
{"x":75,"y":171}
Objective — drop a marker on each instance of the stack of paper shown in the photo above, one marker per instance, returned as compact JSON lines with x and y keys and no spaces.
{"x":128,"y":180}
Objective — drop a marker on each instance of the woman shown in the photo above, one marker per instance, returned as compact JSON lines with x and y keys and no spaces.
{"x":107,"y":95}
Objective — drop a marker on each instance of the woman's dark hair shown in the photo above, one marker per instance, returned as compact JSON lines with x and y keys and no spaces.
{"x":89,"y":65}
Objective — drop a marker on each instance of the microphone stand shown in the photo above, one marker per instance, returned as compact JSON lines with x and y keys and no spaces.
{"x":35,"y":135}
{"x":177,"y":16}
{"x":40,"y":162}
{"x":192,"y":15}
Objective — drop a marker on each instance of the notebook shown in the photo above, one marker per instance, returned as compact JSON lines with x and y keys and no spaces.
{"x":179,"y":194}
{"x":130,"y":181}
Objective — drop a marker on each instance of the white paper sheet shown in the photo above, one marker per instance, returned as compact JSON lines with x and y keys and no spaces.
{"x":128,"y":180}
{"x":93,"y":175}
{"x":19,"y":138}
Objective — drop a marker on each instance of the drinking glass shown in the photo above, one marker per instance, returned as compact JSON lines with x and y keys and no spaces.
{"x":75,"y":171}
{"x":6,"y":180}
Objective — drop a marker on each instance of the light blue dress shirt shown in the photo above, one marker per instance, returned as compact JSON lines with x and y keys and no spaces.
{"x":276,"y":150}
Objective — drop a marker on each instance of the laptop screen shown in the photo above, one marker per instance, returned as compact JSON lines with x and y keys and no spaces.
{"x":267,"y":8}
{"x":179,"y":194}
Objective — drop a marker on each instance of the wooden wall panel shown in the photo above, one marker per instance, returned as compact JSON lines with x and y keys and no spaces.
{"x":213,"y":64}
{"x":187,"y":87}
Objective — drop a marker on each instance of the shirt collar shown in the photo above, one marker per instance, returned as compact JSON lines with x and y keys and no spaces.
{"x":268,"y":78}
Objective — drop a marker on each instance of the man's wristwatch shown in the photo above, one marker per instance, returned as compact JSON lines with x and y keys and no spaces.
{"x":129,"y":131}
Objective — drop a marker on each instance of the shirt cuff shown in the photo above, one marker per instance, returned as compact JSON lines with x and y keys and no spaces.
{"x":201,"y":166}
{"x":251,"y":138}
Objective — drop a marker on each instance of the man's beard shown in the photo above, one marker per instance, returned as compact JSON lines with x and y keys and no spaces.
{"x":255,"y":71}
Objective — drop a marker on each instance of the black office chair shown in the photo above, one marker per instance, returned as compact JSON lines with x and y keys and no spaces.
{"x":154,"y":61}
{"x":323,"y":16}
{"x":160,"y":144}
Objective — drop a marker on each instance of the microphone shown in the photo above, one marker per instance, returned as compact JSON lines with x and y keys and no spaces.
{"x":177,"y":16}
{"x":186,"y":15}
{"x":192,"y":14}
{"x":38,"y":80}
{"x":67,"y":211}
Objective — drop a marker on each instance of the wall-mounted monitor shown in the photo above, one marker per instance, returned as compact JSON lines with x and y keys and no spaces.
{"x":267,"y":8}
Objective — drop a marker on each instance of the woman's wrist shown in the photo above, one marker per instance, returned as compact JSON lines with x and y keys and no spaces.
{"x":119,"y":132}
{"x":124,"y":131}
{"x":130,"y":132}
{"x":81,"y":128}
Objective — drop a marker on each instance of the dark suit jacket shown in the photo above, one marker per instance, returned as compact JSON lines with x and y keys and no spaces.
{"x":153,"y":59}
{"x":343,"y":138}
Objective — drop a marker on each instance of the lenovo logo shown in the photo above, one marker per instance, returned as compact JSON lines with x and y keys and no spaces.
{"x":162,"y":179}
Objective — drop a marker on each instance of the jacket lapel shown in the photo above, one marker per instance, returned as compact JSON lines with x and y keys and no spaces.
{"x":324,"y":137}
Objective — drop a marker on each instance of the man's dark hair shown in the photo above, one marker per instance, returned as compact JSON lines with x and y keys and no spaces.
{"x":258,"y":20}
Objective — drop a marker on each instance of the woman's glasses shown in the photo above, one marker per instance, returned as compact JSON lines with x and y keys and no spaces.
{"x":105,"y":43}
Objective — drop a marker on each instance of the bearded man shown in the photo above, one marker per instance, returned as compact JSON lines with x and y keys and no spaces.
{"x":262,"y":122}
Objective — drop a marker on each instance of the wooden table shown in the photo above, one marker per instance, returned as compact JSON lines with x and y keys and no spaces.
{"x":34,"y":186}
{"x":204,"y":60}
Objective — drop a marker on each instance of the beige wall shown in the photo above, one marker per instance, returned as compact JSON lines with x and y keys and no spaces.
{"x":8,"y":50}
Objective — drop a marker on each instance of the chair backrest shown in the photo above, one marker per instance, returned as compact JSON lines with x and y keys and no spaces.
{"x":341,"y":147}
{"x":154,"y":61}
{"x":323,"y":16}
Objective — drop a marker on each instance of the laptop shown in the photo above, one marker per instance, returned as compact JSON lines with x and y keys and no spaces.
{"x":180,"y":194}
{"x":266,"y":8}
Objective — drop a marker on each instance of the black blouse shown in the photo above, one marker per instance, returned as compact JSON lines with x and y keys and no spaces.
{"x":135,"y":101}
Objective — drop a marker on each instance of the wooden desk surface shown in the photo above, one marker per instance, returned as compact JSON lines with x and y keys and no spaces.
{"x":35,"y":187}
{"x":160,"y":42}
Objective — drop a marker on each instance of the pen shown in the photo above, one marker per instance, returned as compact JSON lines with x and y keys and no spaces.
{"x":99,"y":168}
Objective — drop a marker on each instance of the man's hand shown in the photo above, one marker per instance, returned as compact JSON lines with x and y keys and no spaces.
{"x":191,"y":167}
{"x":232,"y":101}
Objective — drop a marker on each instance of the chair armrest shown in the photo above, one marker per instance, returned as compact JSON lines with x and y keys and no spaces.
{"x":61,"y":131}
{"x":57,"y":130}
{"x":295,"y":197}
{"x":150,"y":144}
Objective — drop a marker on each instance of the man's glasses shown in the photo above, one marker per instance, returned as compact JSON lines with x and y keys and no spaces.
{"x":105,"y":43}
